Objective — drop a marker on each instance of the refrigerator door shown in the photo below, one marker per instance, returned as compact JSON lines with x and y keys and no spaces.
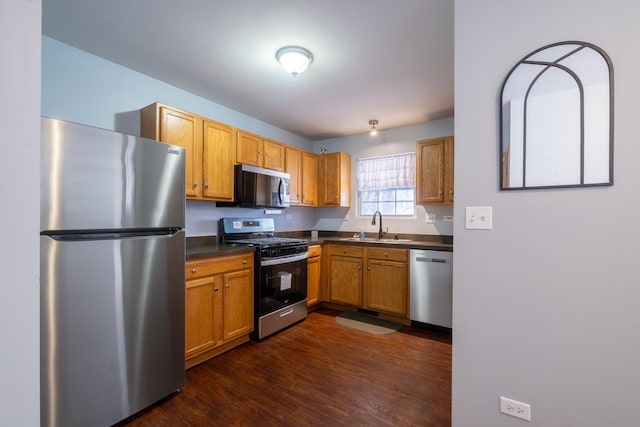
{"x":112,"y":327}
{"x":94,"y":179}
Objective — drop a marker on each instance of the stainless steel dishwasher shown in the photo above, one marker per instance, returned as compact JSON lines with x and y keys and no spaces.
{"x":431,"y":275}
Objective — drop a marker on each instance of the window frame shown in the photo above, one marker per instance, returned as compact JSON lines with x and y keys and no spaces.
{"x":359,"y":192}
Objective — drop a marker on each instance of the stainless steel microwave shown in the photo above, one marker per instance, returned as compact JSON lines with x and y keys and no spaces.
{"x":256,"y":187}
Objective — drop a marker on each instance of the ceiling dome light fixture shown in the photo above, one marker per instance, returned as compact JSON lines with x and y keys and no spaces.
{"x":373,"y":124}
{"x":294,"y":59}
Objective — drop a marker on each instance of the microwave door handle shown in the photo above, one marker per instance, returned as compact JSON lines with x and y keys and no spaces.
{"x":281,"y":190}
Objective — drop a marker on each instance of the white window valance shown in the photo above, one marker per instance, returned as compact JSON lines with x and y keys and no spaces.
{"x":379,"y":173}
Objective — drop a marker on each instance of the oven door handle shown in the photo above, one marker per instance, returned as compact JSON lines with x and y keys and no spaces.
{"x":286,"y":260}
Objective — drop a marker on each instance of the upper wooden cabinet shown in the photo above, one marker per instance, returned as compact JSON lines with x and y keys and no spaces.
{"x":218,"y":160}
{"x":293,"y":166}
{"x":209,"y":148}
{"x":334,"y":183}
{"x":303,"y":169}
{"x":273,"y":155}
{"x":253,"y":150}
{"x":309,"y":179}
{"x":249,"y":149}
{"x":434,"y":177}
{"x":176,"y":127}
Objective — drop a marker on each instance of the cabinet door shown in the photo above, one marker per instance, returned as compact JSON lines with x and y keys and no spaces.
{"x":345,"y":280}
{"x":293,"y":166}
{"x":273,"y":155}
{"x":329,"y":185}
{"x":309,"y":179}
{"x":386,"y":284}
{"x":185,"y":130}
{"x":248,"y":149}
{"x":313,"y":276}
{"x":202,"y":315}
{"x":448,"y":171}
{"x":430,"y":163}
{"x":238,"y":304}
{"x":218,"y":159}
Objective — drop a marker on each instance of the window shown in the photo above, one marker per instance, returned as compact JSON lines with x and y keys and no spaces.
{"x":387,"y":184}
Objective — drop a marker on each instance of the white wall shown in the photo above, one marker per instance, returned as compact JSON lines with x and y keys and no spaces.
{"x":387,"y":141}
{"x":83,"y":88}
{"x":545,"y":304}
{"x":20,"y":213}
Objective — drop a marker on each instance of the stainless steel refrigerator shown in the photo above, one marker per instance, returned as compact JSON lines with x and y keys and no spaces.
{"x":112,"y":254}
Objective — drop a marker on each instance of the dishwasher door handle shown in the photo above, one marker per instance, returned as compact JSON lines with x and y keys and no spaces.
{"x":422,"y":259}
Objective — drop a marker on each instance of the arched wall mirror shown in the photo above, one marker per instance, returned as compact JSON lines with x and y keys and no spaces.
{"x":557,"y":119}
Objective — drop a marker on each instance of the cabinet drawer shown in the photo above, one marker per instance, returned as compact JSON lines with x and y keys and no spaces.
{"x":390,"y":254}
{"x":315,"y":250}
{"x":345,"y":250}
{"x":217,"y":265}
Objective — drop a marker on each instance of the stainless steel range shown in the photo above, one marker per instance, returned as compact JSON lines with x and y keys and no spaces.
{"x":280,"y":272}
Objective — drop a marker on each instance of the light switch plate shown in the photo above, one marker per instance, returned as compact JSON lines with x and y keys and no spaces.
{"x":431,"y":218}
{"x":478,"y":218}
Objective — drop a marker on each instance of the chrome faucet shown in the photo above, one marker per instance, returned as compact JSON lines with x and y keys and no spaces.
{"x":373,"y":222}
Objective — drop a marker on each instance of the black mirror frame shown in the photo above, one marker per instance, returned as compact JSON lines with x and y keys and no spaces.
{"x":524,"y":60}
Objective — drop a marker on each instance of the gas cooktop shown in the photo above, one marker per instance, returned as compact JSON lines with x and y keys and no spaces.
{"x":266,"y":241}
{"x":254,"y":231}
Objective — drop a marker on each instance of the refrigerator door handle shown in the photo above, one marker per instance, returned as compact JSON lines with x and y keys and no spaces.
{"x":89,"y":235}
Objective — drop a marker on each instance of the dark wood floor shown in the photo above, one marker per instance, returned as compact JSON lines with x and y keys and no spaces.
{"x":317,"y":373}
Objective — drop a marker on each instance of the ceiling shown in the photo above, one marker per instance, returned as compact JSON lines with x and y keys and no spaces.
{"x":373,"y":59}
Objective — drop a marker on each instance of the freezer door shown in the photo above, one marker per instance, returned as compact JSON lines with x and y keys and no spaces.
{"x":93,"y":179}
{"x":112,"y":327}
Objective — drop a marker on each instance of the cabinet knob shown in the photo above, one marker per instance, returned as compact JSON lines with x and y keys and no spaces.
{"x":439,"y":192}
{"x":226,"y":286}
{"x":266,"y":154}
{"x":359,"y":267}
{"x":195,"y":185}
{"x":386,"y":255}
{"x":206,"y":185}
{"x":193,"y":271}
{"x":244,"y":261}
{"x":344,"y":251}
{"x":450,"y":192}
{"x":215,"y":289}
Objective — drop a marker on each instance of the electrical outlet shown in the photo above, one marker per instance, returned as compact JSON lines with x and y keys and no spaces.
{"x":431,"y":218}
{"x":515,"y":409}
{"x":447,"y":218}
{"x":478,"y":218}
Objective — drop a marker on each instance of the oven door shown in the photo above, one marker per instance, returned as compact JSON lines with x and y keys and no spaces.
{"x":283,"y":282}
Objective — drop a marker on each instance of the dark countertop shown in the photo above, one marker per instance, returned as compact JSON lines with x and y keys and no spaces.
{"x":208,"y":246}
{"x":411,"y":244}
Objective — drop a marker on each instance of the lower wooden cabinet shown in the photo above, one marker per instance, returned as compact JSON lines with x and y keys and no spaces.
{"x":386,"y":281}
{"x":345,"y":274}
{"x":313,"y":275}
{"x":374,"y":278}
{"x":219,"y":305}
